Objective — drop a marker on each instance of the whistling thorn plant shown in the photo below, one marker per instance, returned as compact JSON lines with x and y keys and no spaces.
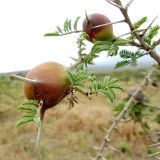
{"x":144,"y":41}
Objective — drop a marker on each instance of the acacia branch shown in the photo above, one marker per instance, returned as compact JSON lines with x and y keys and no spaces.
{"x":146,"y":47}
{"x":117,"y":119}
{"x":149,"y":26}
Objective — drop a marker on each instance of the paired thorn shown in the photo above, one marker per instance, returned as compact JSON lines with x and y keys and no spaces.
{"x":31,"y":81}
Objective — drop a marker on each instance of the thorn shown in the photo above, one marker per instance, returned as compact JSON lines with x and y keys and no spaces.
{"x":156,"y":144}
{"x":103,"y":158}
{"x":113,"y":148}
{"x":96,"y":148}
{"x":149,"y":26}
{"x":107,"y":139}
{"x":87,"y":17}
{"x":107,"y":24}
{"x":105,"y":129}
{"x":153,"y":155}
{"x":31,"y":81}
{"x":74,"y":59}
{"x":128,"y":4}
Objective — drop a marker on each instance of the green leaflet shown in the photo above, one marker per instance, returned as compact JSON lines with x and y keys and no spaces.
{"x":69,"y":27}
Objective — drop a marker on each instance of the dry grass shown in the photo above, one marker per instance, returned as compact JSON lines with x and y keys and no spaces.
{"x":69,"y":134}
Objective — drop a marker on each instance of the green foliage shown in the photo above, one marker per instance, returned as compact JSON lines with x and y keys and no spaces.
{"x":139,"y":23}
{"x":99,"y":46}
{"x":81,"y":45}
{"x":80,"y":77}
{"x":105,"y":87}
{"x":24,"y":120}
{"x":88,"y":59}
{"x":119,"y":106}
{"x":156,"y":43}
{"x":82,"y":55}
{"x":111,"y":47}
{"x":124,"y":148}
{"x":152,"y":32}
{"x":122,"y":63}
{"x":68,"y":28}
{"x":129,"y":57}
{"x":157,"y":118}
{"x":136,"y":112}
{"x":30,"y":109}
{"x":29,"y":102}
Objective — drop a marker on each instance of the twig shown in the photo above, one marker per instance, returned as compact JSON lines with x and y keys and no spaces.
{"x":149,"y":26}
{"x":73,"y":66}
{"x":146,"y":47}
{"x":120,"y":115}
{"x":154,"y":154}
{"x":113,"y":148}
{"x":152,"y":106}
{"x":154,"y":145}
{"x":82,"y":92}
{"x":146,"y":132}
{"x":114,"y":4}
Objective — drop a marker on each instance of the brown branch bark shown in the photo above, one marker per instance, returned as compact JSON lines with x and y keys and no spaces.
{"x":146,"y":47}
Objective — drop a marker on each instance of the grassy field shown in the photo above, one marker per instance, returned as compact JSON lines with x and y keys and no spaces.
{"x":71,"y":134}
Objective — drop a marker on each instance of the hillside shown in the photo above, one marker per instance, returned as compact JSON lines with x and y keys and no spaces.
{"x":71,"y":134}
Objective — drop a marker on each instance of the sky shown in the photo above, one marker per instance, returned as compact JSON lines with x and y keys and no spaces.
{"x":23,"y":24}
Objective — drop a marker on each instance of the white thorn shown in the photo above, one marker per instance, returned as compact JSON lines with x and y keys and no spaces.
{"x":24,"y":79}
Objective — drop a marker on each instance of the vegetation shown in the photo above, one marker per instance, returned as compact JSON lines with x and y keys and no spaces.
{"x":70,"y":134}
{"x":133,"y":118}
